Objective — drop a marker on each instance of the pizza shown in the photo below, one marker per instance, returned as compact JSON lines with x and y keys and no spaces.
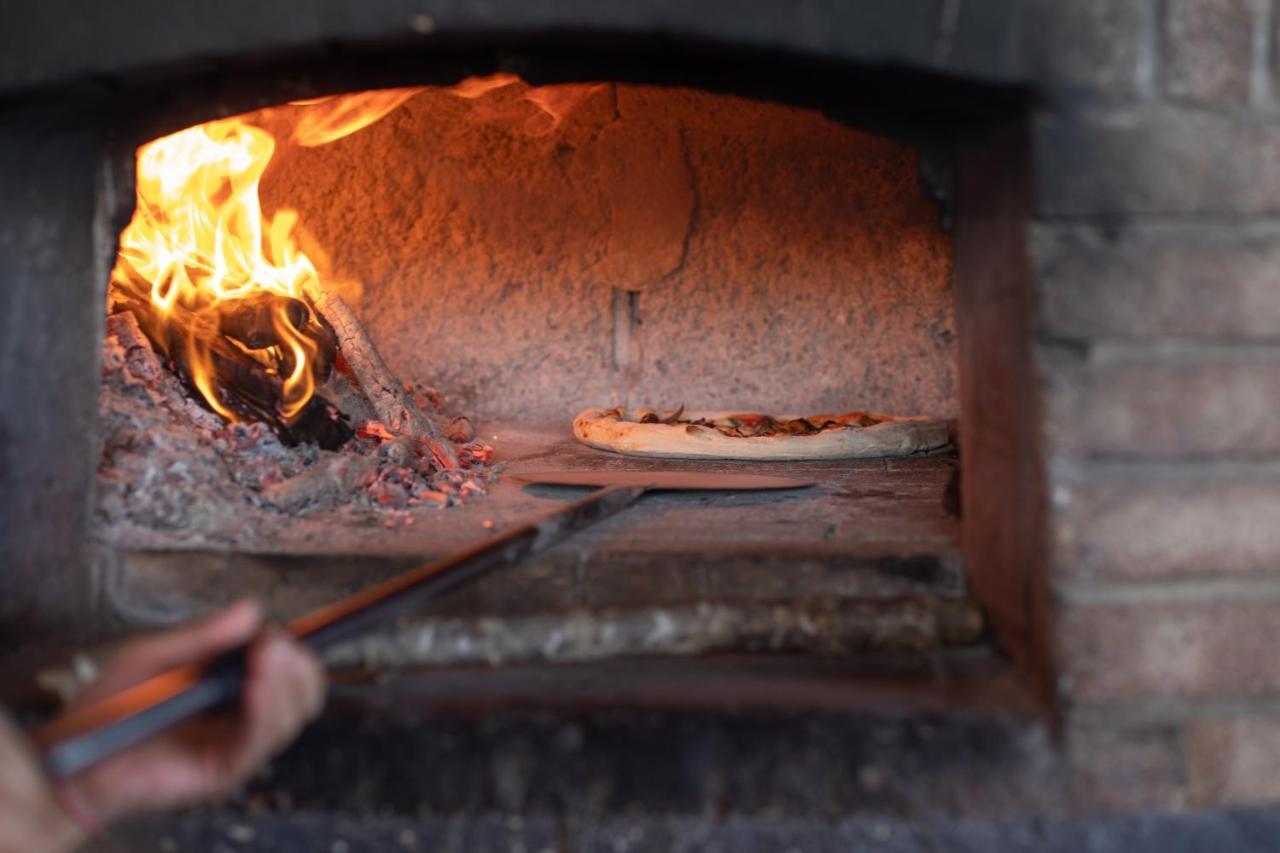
{"x":740,"y":435}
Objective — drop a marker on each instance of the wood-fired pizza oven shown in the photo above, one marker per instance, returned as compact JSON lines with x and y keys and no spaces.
{"x":548,"y":208}
{"x":518,"y":249}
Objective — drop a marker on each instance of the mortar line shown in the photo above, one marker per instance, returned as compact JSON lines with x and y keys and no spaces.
{"x":1158,"y":349}
{"x":1165,"y":710}
{"x":1161,"y":227}
{"x":948,"y":19}
{"x":1092,"y":592}
{"x":1139,"y":113}
{"x":1073,"y":470}
{"x":1083,"y":344}
{"x":1150,"y":59}
{"x":1120,"y":221}
{"x":1260,"y":55}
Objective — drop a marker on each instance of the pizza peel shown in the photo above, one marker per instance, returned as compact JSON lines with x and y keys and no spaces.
{"x":86,"y":735}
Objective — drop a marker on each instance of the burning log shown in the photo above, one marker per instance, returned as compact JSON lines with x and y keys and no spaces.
{"x":395,"y":406}
{"x":251,"y":321}
{"x":234,"y":307}
{"x":245,"y":386}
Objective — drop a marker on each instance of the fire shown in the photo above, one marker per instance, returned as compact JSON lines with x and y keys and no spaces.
{"x":199,"y":255}
{"x":219,"y":287}
{"x":343,"y":115}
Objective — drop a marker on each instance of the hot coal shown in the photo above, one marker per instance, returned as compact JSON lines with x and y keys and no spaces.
{"x":170,"y":465}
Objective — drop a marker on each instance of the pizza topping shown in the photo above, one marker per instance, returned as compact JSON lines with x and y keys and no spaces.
{"x":683,"y":434}
{"x":750,"y":425}
{"x":649,"y":416}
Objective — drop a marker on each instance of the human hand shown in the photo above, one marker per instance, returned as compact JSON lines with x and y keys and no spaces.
{"x":207,"y":756}
{"x":31,"y":818}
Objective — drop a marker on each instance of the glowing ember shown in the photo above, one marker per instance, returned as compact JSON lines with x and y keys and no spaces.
{"x":373,"y":429}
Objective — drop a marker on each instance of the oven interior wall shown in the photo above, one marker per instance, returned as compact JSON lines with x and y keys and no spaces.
{"x":532,"y":252}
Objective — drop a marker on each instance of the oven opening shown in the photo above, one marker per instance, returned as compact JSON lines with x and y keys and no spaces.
{"x":342,"y":331}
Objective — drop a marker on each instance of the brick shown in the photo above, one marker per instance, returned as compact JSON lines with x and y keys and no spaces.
{"x":1095,"y":47}
{"x":1114,"y":768}
{"x":1193,"y":649}
{"x":1163,"y":402}
{"x":1167,"y":162}
{"x":1208,"y":50}
{"x":1177,"y":281}
{"x":1233,"y":762}
{"x":1129,"y":527}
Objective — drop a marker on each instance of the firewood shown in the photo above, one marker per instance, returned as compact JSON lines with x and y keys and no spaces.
{"x":394,"y":404}
{"x":245,"y":386}
{"x":251,"y":321}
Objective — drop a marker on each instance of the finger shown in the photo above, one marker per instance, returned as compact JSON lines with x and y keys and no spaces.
{"x":282,"y":691}
{"x":295,"y":685}
{"x":312,"y":680}
{"x":241,"y":752}
{"x":142,"y":657}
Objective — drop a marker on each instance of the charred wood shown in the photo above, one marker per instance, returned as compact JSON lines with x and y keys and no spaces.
{"x":245,"y":386}
{"x":394,"y":404}
{"x":252,"y":321}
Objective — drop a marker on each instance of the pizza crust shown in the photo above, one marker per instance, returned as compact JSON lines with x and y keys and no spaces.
{"x":620,"y":431}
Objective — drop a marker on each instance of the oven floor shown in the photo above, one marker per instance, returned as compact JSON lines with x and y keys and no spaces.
{"x":868,"y":559}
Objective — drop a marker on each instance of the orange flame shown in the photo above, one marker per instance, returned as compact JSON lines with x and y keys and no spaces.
{"x":556,"y":102}
{"x":343,"y":115}
{"x":477,"y":87}
{"x":198,"y":242}
{"x":553,"y":102}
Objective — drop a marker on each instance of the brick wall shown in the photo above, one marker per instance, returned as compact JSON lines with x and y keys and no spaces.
{"x":1155,"y":248}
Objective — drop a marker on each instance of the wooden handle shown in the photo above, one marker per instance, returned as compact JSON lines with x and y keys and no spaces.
{"x":85,"y":736}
